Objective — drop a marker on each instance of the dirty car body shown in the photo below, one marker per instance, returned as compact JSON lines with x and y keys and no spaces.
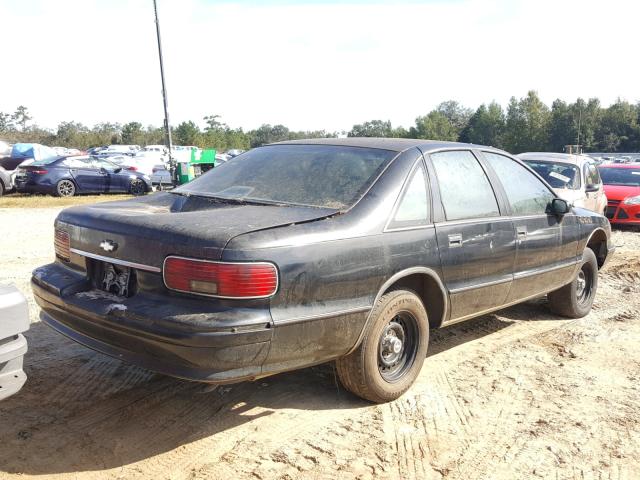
{"x":311,"y":272}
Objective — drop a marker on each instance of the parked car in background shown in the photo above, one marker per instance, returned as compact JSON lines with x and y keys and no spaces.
{"x":161,"y":176}
{"x":304,"y":252}
{"x":121,"y":150}
{"x":234,"y":152}
{"x":160,"y":149}
{"x":5,"y":149}
{"x":622,"y":184}
{"x":573,"y":177}
{"x":6,"y":183}
{"x":68,"y":176}
{"x":14,"y":321}
{"x":142,"y":162}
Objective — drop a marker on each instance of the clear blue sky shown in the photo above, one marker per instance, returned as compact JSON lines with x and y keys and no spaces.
{"x":309,"y":65}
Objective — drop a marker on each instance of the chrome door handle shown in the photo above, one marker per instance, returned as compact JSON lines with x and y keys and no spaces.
{"x":522,"y":232}
{"x":455,"y":240}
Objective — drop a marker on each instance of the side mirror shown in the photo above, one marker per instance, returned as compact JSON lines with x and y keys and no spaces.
{"x":591,"y":187}
{"x":560,"y":206}
{"x":103,"y":171}
{"x":117,"y":170}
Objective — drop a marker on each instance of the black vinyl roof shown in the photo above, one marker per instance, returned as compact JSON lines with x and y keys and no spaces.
{"x":394,"y":144}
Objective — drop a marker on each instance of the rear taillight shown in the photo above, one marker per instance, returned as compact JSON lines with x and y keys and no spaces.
{"x":39,"y":171}
{"x":133,"y":169}
{"x":221,"y":279}
{"x":62,"y":245}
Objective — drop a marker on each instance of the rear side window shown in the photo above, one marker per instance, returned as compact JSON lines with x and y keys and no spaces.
{"x":413,"y":209}
{"x":464,"y":187}
{"x":525,"y":192}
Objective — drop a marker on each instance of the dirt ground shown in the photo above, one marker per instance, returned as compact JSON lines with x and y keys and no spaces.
{"x":518,"y":394}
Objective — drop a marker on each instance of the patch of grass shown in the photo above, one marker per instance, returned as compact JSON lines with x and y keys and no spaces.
{"x":45,"y":201}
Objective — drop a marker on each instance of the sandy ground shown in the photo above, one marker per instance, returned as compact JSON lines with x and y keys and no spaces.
{"x":518,"y":394}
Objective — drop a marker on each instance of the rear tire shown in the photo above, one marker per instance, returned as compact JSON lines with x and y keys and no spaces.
{"x":2,"y":189}
{"x":392,"y":350}
{"x":65,"y":188}
{"x":575,"y":299}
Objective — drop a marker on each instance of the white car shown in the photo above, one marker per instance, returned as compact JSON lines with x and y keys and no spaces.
{"x":575,"y":178}
{"x":14,"y":321}
{"x":140,"y":163}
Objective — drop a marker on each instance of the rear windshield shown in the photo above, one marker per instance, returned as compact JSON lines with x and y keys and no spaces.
{"x":325,"y":176}
{"x":620,"y":176}
{"x":558,"y":175}
{"x":45,"y":161}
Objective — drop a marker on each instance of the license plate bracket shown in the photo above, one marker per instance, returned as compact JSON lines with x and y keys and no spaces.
{"x":116,"y":279}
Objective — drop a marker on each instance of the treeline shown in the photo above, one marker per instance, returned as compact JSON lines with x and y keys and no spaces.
{"x":527,"y":124}
{"x":17,"y":127}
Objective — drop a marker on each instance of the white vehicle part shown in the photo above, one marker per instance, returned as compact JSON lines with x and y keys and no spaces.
{"x":14,"y":321}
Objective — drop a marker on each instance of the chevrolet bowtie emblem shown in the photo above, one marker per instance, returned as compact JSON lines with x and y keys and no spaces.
{"x":109,"y":246}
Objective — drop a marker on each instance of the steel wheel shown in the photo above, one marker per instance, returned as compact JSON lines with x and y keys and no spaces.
{"x":65,"y":188}
{"x":397,"y":347}
{"x":584,"y":283}
{"x":137,"y":187}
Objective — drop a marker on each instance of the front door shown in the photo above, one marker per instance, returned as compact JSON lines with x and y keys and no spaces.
{"x":88,"y":176}
{"x":476,"y":241}
{"x":546,"y":243}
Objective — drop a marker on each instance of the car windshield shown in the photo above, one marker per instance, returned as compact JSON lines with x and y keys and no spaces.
{"x":558,"y":175}
{"x":620,"y":176}
{"x":325,"y":176}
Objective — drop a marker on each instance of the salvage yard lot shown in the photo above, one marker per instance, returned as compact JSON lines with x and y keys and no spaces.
{"x":517,"y":394}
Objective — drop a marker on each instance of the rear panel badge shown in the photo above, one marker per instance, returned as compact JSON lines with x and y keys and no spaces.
{"x":108,"y":245}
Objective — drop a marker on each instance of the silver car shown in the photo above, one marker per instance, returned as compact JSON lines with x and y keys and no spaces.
{"x":574,"y":178}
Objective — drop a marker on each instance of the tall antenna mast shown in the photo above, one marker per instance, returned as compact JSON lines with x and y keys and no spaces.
{"x":167,"y":126}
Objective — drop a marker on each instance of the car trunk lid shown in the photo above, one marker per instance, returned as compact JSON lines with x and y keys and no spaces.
{"x":148,"y":229}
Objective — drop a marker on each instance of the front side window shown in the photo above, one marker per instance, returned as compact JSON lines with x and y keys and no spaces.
{"x":327,"y":176}
{"x":464,"y":187}
{"x":593,"y":178}
{"x":525,"y":192}
{"x":413,"y":209}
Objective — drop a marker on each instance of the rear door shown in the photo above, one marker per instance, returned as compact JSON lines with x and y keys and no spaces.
{"x":475,"y":238}
{"x":546,"y":244}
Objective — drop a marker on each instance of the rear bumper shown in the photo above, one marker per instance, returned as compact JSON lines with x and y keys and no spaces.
{"x":12,"y":377}
{"x":169,"y":335}
{"x":34,"y":188}
{"x":14,"y":320}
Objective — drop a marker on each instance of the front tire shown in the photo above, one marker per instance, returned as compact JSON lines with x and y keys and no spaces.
{"x":65,"y":188}
{"x":392,"y":350}
{"x":575,"y":299}
{"x":137,"y":187}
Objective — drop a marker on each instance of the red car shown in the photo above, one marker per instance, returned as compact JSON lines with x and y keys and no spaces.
{"x":622,"y":187}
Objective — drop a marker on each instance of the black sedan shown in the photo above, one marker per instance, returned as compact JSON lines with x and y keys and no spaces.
{"x":303,"y":252}
{"x":68,"y":176}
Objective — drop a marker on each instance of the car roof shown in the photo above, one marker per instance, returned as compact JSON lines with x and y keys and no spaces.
{"x":393,"y":144}
{"x":556,"y":157}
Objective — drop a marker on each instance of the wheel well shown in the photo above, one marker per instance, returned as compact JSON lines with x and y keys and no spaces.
{"x":598,"y":243}
{"x":429,"y":291}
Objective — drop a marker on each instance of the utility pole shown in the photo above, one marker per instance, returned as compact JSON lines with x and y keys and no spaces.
{"x":167,"y":125}
{"x":579,"y":127}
